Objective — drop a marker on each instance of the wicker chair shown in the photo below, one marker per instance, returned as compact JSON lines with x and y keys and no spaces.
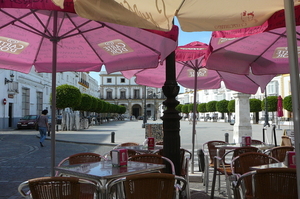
{"x":128,"y":144}
{"x":279,"y":152}
{"x":58,"y":187}
{"x":80,"y":158}
{"x":222,"y":167}
{"x":146,"y":186}
{"x":210,"y":151}
{"x":153,"y":158}
{"x":257,"y":142}
{"x":241,"y":165}
{"x":279,"y":183}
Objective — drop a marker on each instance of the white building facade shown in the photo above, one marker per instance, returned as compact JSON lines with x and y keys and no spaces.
{"x":29,"y":94}
{"x":116,"y":89}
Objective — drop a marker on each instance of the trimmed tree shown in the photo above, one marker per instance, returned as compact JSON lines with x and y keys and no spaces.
{"x":211,"y":106}
{"x":255,"y":108}
{"x":221,"y":107}
{"x":287,"y":103}
{"x":86,"y":102}
{"x":231,"y":108}
{"x":272,"y":104}
{"x":67,"y":96}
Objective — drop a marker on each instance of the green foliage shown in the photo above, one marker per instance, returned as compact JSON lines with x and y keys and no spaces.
{"x":231,"y":106}
{"x":94,"y":105}
{"x":179,"y":107}
{"x":287,"y":103}
{"x":185,"y":108}
{"x":255,"y":105}
{"x":272,"y":103}
{"x":86,"y":102}
{"x":191,"y":107}
{"x":67,"y":96}
{"x":201,"y":108}
{"x":99,"y":105}
{"x":122,"y":109}
{"x":211,"y":106}
{"x":222,"y":105}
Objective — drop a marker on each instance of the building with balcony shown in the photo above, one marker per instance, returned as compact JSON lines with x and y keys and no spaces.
{"x":28,"y":94}
{"x":116,"y":89}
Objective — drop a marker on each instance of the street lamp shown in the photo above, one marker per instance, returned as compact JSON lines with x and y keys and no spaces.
{"x":154,"y":97}
{"x":145,"y":108}
{"x":266,"y":111}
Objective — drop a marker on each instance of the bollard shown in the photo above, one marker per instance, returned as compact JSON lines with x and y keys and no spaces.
{"x":112,"y":137}
{"x":227,"y":137}
{"x":201,"y":162}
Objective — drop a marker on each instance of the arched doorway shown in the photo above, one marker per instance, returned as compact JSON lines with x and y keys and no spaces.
{"x":136,"y":110}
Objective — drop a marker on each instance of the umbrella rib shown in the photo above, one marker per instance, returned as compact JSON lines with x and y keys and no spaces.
{"x":34,"y":30}
{"x":67,"y":34}
{"x":129,"y":37}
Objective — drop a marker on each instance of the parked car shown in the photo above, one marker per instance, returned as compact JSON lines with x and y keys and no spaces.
{"x":27,"y":122}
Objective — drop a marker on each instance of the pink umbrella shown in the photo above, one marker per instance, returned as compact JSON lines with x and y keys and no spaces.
{"x":279,"y":106}
{"x":191,"y":73}
{"x":260,"y":54}
{"x":36,"y":33}
{"x":191,"y":60}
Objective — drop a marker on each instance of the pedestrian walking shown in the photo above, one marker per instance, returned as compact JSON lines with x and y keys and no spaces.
{"x":191,"y":115}
{"x":42,"y":122}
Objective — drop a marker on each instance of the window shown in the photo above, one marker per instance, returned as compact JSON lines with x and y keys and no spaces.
{"x":136,"y":94}
{"x":109,"y":95}
{"x":272,"y":88}
{"x":122,"y":80}
{"x":25,"y":101}
{"x":39,"y":102}
{"x":122,"y":95}
{"x":108,"y":80}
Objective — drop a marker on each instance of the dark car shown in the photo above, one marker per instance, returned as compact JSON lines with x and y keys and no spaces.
{"x":27,"y":122}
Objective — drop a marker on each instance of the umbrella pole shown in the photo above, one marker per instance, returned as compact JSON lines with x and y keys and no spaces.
{"x":54,"y":41}
{"x":294,"y":75}
{"x":194,"y":120}
{"x":171,"y":118}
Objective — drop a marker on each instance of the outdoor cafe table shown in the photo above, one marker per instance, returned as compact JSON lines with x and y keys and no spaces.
{"x":141,"y":148}
{"x":103,"y":171}
{"x":268,"y":166}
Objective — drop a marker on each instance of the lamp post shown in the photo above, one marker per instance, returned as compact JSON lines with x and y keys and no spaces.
{"x":145,"y":108}
{"x":154,"y":97}
{"x":266,"y":111}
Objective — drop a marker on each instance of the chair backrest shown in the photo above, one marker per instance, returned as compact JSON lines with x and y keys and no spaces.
{"x":128,"y":144}
{"x":212,"y":150}
{"x":238,"y":151}
{"x":279,"y":183}
{"x":280,"y":152}
{"x":286,"y":141}
{"x":242,"y":163}
{"x":152,"y":158}
{"x":185,"y":156}
{"x":59,"y":187}
{"x":257,"y":142}
{"x":148,"y":186}
{"x":79,"y":158}
{"x":84,"y":158}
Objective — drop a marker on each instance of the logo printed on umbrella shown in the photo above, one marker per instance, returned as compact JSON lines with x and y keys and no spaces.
{"x":201,"y":72}
{"x":115,"y":47}
{"x":12,"y":46}
{"x":282,"y":52}
{"x":223,"y":40}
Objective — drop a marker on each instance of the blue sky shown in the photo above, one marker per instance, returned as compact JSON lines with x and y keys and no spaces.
{"x":184,"y":38}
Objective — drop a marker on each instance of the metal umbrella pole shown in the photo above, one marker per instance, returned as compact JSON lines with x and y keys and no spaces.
{"x":194,"y":120}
